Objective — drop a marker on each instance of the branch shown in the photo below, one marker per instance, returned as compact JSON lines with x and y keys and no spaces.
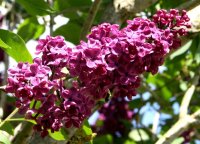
{"x":51,"y":22}
{"x":120,"y":10}
{"x":11,"y":115}
{"x":187,"y":97}
{"x":89,"y":20}
{"x":185,"y":121}
{"x":177,"y":129}
{"x":189,"y":5}
{"x":132,"y":6}
{"x":182,"y":125}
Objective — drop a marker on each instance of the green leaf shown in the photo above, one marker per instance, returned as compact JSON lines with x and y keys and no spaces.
{"x":178,"y":141}
{"x":14,"y":46}
{"x":86,"y":128}
{"x":73,"y":9}
{"x":71,"y":31}
{"x":30,"y":29}
{"x":136,"y":103}
{"x":129,"y":142}
{"x":59,"y":135}
{"x":8,"y":128}
{"x":36,"y":7}
{"x":138,"y":137}
{"x":104,"y":139}
{"x":166,"y":93}
{"x":61,"y":5}
{"x":80,"y":2}
{"x":2,"y":44}
{"x":183,"y":86}
{"x":167,"y":4}
{"x":3,"y":138}
{"x":197,"y":54}
{"x":71,"y":4}
{"x":181,"y":50}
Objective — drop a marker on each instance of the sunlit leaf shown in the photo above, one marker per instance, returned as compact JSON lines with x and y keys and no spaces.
{"x":178,"y":141}
{"x":86,"y":128}
{"x":15,"y":46}
{"x":3,"y":138}
{"x":181,"y":50}
{"x":138,"y":135}
{"x":129,"y":142}
{"x":59,"y":135}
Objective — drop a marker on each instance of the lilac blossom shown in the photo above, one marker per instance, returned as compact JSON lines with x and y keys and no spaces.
{"x":109,"y":62}
{"x":113,"y":114}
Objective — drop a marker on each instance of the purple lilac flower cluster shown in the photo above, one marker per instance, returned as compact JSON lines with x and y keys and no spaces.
{"x":109,"y":62}
{"x":187,"y":135}
{"x":40,"y":90}
{"x":113,"y":59}
{"x":116,"y":117}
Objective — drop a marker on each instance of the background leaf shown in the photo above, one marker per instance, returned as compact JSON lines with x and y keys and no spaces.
{"x":71,"y":31}
{"x":104,"y":139}
{"x":36,"y":7}
{"x":30,"y":29}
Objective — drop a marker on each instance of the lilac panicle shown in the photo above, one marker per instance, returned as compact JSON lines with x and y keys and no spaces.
{"x":62,"y":87}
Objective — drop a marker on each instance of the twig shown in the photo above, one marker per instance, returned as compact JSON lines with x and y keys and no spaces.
{"x":11,"y":115}
{"x":51,"y":23}
{"x":89,"y":20}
